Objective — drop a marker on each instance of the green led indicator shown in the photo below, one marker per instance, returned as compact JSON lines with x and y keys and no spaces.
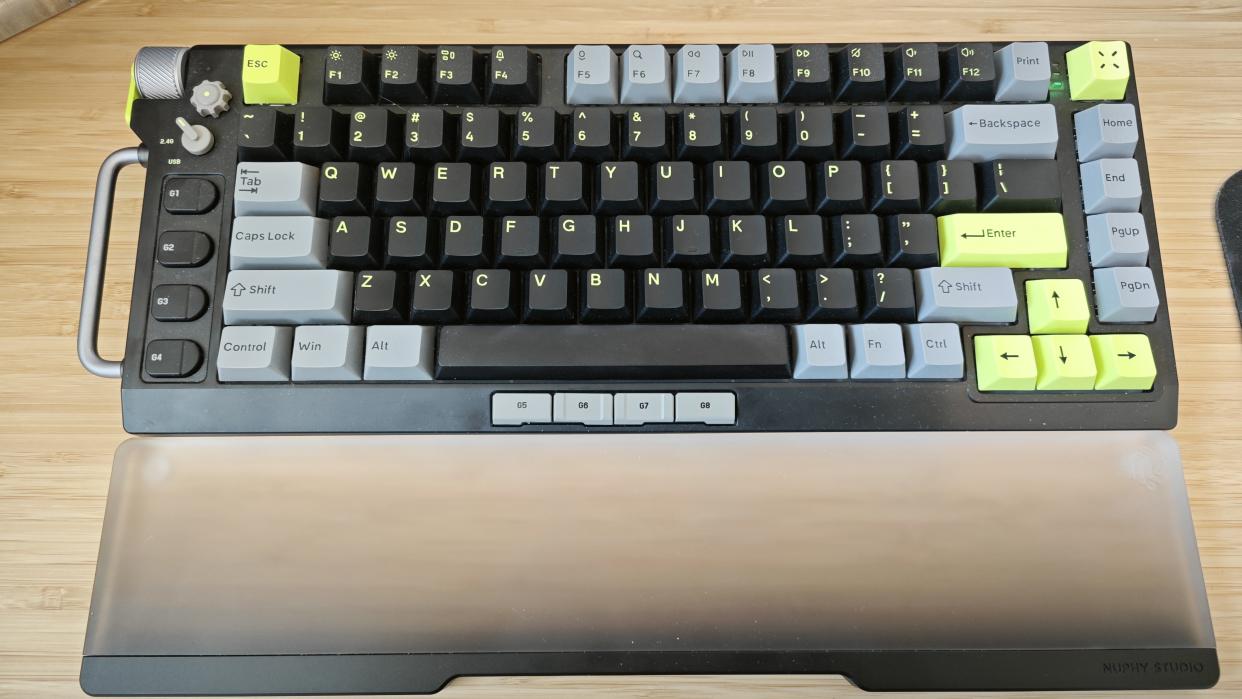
{"x":1057,"y":86}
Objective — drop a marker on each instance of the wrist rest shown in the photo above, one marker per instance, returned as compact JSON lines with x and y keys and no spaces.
{"x":303,"y":565}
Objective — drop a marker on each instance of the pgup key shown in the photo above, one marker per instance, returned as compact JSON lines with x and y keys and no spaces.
{"x":275,"y":189}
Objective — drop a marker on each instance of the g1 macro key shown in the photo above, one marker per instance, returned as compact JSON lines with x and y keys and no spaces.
{"x":189,"y":195}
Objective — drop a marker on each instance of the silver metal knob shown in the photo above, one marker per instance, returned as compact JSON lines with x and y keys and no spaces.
{"x":159,"y":71}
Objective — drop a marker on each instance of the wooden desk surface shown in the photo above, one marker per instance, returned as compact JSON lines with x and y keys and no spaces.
{"x":62,"y":86}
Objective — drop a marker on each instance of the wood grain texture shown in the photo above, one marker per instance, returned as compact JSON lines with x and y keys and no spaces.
{"x":18,"y":15}
{"x":62,"y":89}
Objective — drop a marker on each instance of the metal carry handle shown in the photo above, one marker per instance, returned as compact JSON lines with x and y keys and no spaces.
{"x":97,"y":260}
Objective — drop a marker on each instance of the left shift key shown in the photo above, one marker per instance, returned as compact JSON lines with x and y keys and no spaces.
{"x":275,"y":189}
{"x":288,"y":297}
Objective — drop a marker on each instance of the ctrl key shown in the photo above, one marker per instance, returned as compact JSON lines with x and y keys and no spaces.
{"x":172,"y":359}
{"x":254,"y":353}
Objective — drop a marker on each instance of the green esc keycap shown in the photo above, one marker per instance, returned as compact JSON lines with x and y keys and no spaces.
{"x":1098,"y":70}
{"x":270,"y":74}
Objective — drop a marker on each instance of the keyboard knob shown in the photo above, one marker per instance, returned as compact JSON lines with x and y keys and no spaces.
{"x":159,"y":72}
{"x":210,"y":98}
{"x":349,"y":76}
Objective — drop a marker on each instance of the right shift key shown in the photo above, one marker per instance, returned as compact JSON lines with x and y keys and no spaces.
{"x":980,"y":132}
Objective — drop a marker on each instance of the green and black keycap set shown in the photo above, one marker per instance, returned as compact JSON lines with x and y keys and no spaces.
{"x":646,"y":238}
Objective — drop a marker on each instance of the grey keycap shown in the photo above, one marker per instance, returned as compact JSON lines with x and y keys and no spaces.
{"x":1126,"y":295}
{"x":698,"y":74}
{"x":521,"y":408}
{"x":1117,"y":240}
{"x":707,"y":408}
{"x":328,"y":353}
{"x":288,"y":297}
{"x":819,"y":352}
{"x":642,"y":408}
{"x":1110,"y":184}
{"x":935,"y":351}
{"x":1106,"y":131}
{"x":1023,"y":72}
{"x":582,"y":408}
{"x":877,"y":351}
{"x":279,"y":242}
{"x":591,"y":75}
{"x":966,"y":294}
{"x":752,"y":74}
{"x":645,"y":75}
{"x":254,"y":353}
{"x":980,"y":132}
{"x":275,"y":189}
{"x":399,"y":353}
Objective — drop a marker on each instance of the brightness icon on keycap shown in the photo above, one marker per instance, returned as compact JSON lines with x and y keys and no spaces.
{"x":390,"y":54}
{"x":334,"y":55}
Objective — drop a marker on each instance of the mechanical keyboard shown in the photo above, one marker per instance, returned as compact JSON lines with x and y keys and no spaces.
{"x":748,"y":237}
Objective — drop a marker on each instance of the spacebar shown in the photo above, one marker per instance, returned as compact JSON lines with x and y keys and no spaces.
{"x":613,"y":352}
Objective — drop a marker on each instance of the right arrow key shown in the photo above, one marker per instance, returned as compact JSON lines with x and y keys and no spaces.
{"x":1124,"y":361}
